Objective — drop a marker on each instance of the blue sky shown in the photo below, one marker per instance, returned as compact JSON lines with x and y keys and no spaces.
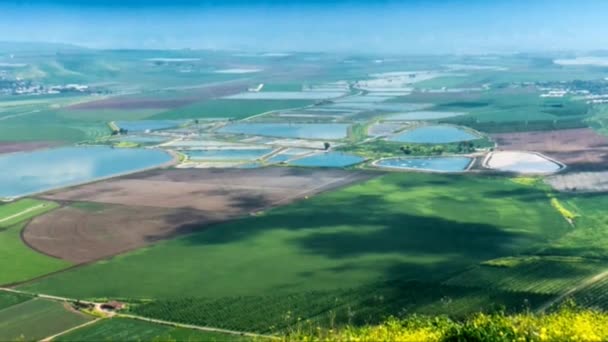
{"x":423,"y":26}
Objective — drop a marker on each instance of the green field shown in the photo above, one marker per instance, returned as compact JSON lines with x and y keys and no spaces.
{"x":368,"y":304}
{"x":46,"y":119}
{"x":507,"y":110}
{"x":10,"y":298}
{"x":17,"y":261}
{"x":405,"y":226}
{"x":589,"y":238}
{"x":125,"y":329}
{"x":545,"y":275}
{"x":226,"y":108}
{"x":37,"y":319}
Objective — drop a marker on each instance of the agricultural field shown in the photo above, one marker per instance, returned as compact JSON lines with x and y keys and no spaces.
{"x":367,"y":304}
{"x":227,"y":108}
{"x":11,"y":298}
{"x":507,"y":110}
{"x":125,"y":329}
{"x":295,"y":191}
{"x":18,"y":261}
{"x":122,"y":214}
{"x":544,"y":275}
{"x":581,"y":149}
{"x":37,"y":319}
{"x":352,"y":236}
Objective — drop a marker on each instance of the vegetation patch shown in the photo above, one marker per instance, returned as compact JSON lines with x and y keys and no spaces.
{"x":17,"y":261}
{"x":126,"y":329}
{"x":354,"y":236}
{"x":567,"y":214}
{"x":360,"y":305}
{"x":37,"y":319}
{"x":12,"y":298}
{"x":565,"y":324}
{"x":226,"y":108}
{"x":546,"y":275}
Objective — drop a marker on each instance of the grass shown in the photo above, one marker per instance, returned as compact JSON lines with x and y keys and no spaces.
{"x":17,"y":261}
{"x":126,"y":329}
{"x":22,"y":210}
{"x":37,"y":319}
{"x":407,"y":226}
{"x":27,"y":132}
{"x":588,"y":238}
{"x":11,"y":298}
{"x":226,"y":108}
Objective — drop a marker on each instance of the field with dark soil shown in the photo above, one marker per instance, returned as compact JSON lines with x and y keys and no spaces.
{"x":134,"y":211}
{"x":580,"y":149}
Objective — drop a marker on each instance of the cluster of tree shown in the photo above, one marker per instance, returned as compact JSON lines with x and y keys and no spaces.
{"x":120,"y":131}
{"x":461,"y":147}
{"x":422,"y":149}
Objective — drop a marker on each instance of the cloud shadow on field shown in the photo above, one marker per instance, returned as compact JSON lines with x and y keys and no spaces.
{"x":366,"y":225}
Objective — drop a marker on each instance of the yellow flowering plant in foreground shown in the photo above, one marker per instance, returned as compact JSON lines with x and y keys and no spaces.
{"x":566,"y":324}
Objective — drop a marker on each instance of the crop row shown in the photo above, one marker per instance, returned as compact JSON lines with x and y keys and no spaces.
{"x":363,"y":305}
{"x":538,"y":276}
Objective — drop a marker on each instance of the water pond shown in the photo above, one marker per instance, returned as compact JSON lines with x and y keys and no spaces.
{"x":32,"y":172}
{"x":328,"y":159}
{"x":521,"y":162}
{"x":436,"y":164}
{"x":228,"y":154}
{"x":434,"y":134}
{"x":288,"y":130}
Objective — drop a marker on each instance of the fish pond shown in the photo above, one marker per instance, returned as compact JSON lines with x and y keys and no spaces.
{"x":288,"y":130}
{"x":32,"y":172}
{"x":435,"y":134}
{"x":435,"y":164}
{"x":228,"y":154}
{"x":328,"y":159}
{"x":521,"y":162}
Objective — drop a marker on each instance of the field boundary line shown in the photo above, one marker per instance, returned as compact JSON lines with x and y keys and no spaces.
{"x":50,"y":338}
{"x":30,"y":209}
{"x":197,"y":327}
{"x":583,"y":285}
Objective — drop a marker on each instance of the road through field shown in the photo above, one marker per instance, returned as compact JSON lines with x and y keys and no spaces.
{"x":50,"y":338}
{"x":198,"y":327}
{"x":30,"y":209}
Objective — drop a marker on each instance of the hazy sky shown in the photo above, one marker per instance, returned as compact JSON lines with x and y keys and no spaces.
{"x":467,"y":26}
